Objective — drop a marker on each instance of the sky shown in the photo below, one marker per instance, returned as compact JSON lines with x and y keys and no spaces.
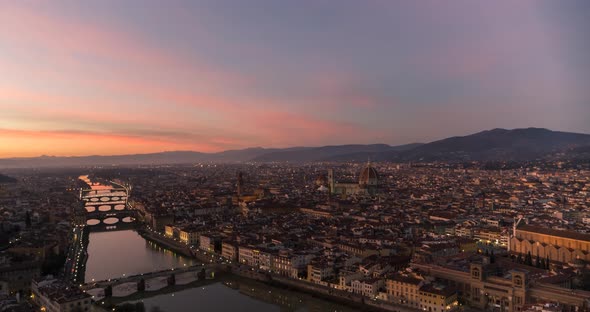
{"x":117,"y":77}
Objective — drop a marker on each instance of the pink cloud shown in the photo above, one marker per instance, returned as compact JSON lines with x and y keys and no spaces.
{"x":242,"y":122}
{"x":287,"y":129}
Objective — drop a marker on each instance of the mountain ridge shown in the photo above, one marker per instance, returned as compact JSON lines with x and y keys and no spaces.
{"x":488,"y":145}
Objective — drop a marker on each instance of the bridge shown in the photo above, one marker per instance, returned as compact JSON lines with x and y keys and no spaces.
{"x":209,"y":268}
{"x":106,"y":205}
{"x":154,"y":284}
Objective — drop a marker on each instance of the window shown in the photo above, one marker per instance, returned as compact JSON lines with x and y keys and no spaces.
{"x":475,"y":273}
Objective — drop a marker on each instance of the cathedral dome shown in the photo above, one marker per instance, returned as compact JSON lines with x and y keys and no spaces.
{"x":369,"y":176}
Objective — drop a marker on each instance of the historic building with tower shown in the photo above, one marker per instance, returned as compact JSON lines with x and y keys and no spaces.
{"x":368,"y":183}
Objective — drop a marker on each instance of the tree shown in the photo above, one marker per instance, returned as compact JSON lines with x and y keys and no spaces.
{"x":108,"y":291}
{"x":53,"y":263}
{"x":528,"y":260}
{"x":201,"y":274}
{"x":139,"y":307}
{"x":172,"y":280}
{"x":28,"y":219}
{"x":547,"y":263}
{"x":538,"y":262}
{"x":141,"y":285}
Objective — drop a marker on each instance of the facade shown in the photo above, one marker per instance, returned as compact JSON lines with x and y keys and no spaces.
{"x":229,"y":251}
{"x":481,"y":289}
{"x":435,"y":298}
{"x":246,"y":255}
{"x":158,"y":220}
{"x":189,"y":236}
{"x":318,"y":272}
{"x":57,"y":296}
{"x":206,"y":242}
{"x":170,"y":231}
{"x":557,"y":245}
{"x":368,"y":287}
{"x":404,"y":290}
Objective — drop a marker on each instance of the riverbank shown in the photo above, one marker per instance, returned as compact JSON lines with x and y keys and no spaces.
{"x":75,"y":265}
{"x":356,"y":301}
{"x":167,"y":243}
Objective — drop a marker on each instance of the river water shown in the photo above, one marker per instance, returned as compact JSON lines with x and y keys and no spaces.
{"x":237,"y":294}
{"x":115,"y":253}
{"x":122,"y":253}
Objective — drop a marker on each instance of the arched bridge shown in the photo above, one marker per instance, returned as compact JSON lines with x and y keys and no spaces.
{"x":107,"y":206}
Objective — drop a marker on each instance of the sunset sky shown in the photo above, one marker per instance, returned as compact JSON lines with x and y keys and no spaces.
{"x":118,"y":77}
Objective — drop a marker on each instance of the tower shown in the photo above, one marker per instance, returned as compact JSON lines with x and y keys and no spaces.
{"x":331,"y":180}
{"x":240,"y":183}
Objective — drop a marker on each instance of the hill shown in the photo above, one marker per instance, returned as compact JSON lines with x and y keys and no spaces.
{"x":497,"y":144}
{"x":490,"y":145}
{"x":325,"y":153}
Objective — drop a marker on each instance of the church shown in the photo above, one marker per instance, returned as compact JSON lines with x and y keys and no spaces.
{"x":368,"y":183}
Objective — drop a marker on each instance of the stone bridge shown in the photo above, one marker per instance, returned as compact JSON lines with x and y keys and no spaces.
{"x":107,"y":207}
{"x":136,"y":278}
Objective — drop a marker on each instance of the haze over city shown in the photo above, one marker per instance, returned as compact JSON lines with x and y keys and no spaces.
{"x":149,"y":76}
{"x":303,"y":155}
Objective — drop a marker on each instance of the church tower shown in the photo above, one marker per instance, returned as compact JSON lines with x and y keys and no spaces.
{"x":331,"y":180}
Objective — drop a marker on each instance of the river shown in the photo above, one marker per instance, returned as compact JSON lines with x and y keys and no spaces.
{"x":122,"y":253}
{"x":114,"y":254}
{"x":238,"y":294}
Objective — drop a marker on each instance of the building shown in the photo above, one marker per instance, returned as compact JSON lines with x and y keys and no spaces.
{"x":368,"y":183}
{"x":319,"y":271}
{"x":246,"y":256}
{"x":229,"y":251}
{"x":53,"y":295}
{"x":170,"y":231}
{"x":438,"y":298}
{"x":557,"y":245}
{"x":189,"y":235}
{"x":367,"y":287}
{"x":290,"y":264}
{"x":16,"y":276}
{"x":210,"y":242}
{"x":158,"y":221}
{"x":480,"y":286}
{"x":404,"y":290}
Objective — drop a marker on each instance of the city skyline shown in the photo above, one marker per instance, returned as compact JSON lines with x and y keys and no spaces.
{"x":210,"y":76}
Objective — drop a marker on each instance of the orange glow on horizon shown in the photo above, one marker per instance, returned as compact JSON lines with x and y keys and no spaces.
{"x":56,"y":143}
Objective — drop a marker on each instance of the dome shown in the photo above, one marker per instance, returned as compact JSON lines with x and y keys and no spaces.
{"x":369,"y":176}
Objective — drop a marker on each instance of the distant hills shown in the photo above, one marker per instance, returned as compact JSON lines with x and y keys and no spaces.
{"x":491,"y":145}
{"x":355,"y":152}
{"x":498,"y":144}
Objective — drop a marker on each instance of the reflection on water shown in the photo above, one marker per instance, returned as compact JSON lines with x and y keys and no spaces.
{"x":237,"y":294}
{"x":117,"y":253}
